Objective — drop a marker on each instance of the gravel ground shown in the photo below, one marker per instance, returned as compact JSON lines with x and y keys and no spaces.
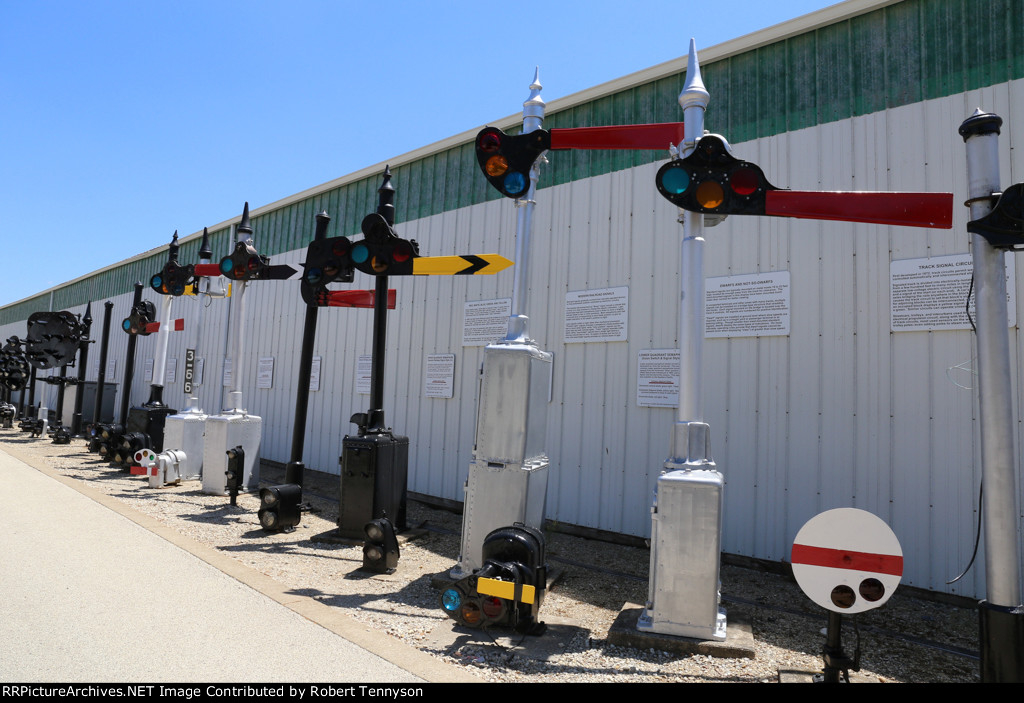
{"x":907,"y":640}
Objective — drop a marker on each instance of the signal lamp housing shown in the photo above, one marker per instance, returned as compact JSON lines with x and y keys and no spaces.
{"x":279,"y":507}
{"x":380,"y":547}
{"x":508,"y":589}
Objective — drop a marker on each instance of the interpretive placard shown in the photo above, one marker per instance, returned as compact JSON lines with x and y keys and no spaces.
{"x":226,"y":375}
{"x":314,"y":374}
{"x":657,"y":378}
{"x":931,"y":294}
{"x":439,"y":379}
{"x":172,"y":369}
{"x":364,"y":371}
{"x":485,"y":321}
{"x":200,"y":366}
{"x":751,"y":305}
{"x":147,"y":371}
{"x":600,"y":315}
{"x":265,"y":372}
{"x":111,"y":368}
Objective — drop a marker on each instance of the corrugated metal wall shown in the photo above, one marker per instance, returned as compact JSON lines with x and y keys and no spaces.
{"x":842,"y":412}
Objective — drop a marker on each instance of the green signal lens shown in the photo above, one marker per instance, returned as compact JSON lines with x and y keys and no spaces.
{"x":515,"y":182}
{"x":451,"y":600}
{"x":675,"y":180}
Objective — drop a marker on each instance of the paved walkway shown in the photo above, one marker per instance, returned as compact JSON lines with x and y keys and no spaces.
{"x":92,"y":591}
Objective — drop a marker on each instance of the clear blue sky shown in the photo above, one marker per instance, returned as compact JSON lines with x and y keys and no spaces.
{"x":122,"y":121}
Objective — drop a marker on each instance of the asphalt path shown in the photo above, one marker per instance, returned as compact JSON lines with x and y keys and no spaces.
{"x":91,"y":592}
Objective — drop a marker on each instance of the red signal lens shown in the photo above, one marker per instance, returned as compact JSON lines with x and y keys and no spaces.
{"x":341,"y":247}
{"x":744,"y":181}
{"x":492,"y":607}
{"x":253,"y":264}
{"x":402,"y":252}
{"x":489,"y":143}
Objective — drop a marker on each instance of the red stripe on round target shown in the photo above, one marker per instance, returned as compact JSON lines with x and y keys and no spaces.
{"x":846,"y":559}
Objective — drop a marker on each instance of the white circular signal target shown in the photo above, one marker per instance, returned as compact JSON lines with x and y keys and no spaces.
{"x":847,"y":560}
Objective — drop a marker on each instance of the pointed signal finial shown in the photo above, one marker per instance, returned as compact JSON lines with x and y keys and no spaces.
{"x":205,"y":250}
{"x":244,"y":227}
{"x":694,"y":93}
{"x":533,"y":108}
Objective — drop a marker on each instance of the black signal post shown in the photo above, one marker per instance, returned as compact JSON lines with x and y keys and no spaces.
{"x":101,"y":378}
{"x":83,"y":358}
{"x":135,"y":324}
{"x":375,"y":463}
{"x":279,"y":505}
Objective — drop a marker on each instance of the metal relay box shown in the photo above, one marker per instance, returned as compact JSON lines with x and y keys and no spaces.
{"x":513,"y":411}
{"x":224,"y":432}
{"x":186,"y":431}
{"x":686,"y":549}
{"x":508,"y":477}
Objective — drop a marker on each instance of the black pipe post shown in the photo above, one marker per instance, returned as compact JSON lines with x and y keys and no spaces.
{"x":101,"y":378}
{"x":32,"y":394}
{"x":129,"y":362}
{"x":21,"y":393}
{"x":375,"y":418}
{"x":83,"y":359}
{"x":62,"y":383}
{"x":293,"y":472}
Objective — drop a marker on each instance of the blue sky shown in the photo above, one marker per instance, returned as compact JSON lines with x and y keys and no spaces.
{"x":123,"y":121}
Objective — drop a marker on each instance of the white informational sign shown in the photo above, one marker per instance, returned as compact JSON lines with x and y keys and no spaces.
{"x":227,"y":373}
{"x":847,"y":560}
{"x":200,"y":366}
{"x":111,"y":368}
{"x":439,"y":379}
{"x":314,"y":374}
{"x":599,"y":315}
{"x":931,"y":294}
{"x":657,"y":378}
{"x":485,"y":321}
{"x":147,"y":372}
{"x":364,"y":371}
{"x":172,"y":370}
{"x":751,"y":305}
{"x":265,"y":372}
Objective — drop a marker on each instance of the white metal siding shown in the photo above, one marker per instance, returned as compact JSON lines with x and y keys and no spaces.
{"x":841,"y":412}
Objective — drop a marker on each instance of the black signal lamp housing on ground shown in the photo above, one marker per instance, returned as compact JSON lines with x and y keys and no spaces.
{"x":508,"y":589}
{"x":235,"y":472}
{"x":279,"y":507}
{"x":380,"y":548}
